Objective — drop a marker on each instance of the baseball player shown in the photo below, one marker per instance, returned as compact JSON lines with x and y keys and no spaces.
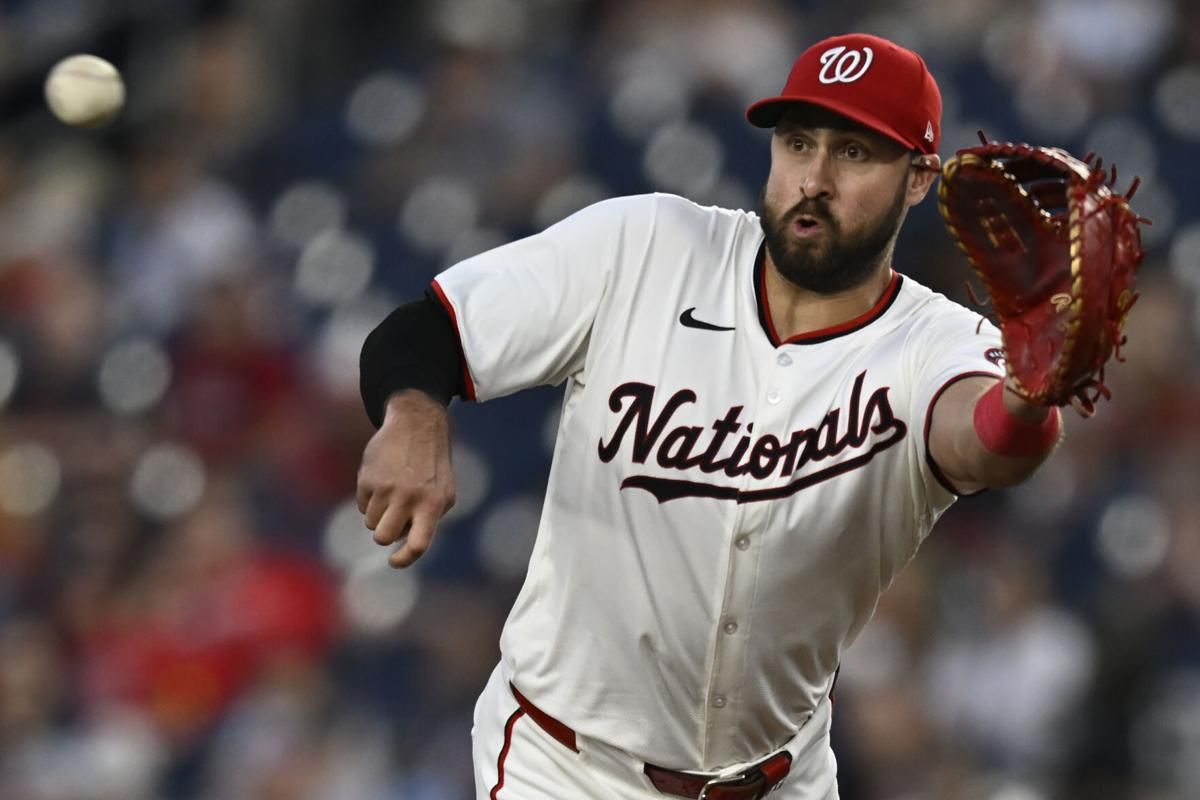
{"x":762,"y":421}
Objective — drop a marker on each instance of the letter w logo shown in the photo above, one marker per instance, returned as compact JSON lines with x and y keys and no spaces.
{"x":845,"y":66}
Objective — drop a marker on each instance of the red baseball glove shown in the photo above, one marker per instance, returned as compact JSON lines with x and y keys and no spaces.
{"x":1057,"y":250}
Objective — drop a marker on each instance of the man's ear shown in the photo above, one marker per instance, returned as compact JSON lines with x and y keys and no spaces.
{"x":922,"y":172}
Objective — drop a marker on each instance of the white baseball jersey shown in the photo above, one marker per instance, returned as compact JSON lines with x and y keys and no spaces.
{"x":724,"y":509}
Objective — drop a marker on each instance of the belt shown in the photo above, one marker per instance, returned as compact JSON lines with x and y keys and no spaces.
{"x":751,"y":783}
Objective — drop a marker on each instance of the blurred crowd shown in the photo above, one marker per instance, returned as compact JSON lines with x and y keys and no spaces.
{"x":190,"y":607}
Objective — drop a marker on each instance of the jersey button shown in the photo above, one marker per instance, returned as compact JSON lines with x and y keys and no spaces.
{"x":785,"y":360}
{"x":742,"y":542}
{"x":719,"y":701}
{"x":773,"y":397}
{"x":730,"y":627}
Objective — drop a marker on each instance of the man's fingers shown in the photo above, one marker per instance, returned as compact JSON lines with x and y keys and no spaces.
{"x":420,"y":534}
{"x":362,"y":496}
{"x":405,"y":480}
{"x":374,"y":510}
{"x":393,"y":525}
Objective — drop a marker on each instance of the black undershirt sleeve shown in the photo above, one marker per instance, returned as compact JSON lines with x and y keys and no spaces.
{"x":415,"y":347}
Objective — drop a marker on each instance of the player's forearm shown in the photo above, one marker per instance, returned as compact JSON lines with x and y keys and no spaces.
{"x":985,"y":436}
{"x":1005,"y":438}
{"x":408,"y":407}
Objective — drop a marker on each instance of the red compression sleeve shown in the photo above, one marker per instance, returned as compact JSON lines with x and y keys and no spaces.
{"x":1007,"y":435}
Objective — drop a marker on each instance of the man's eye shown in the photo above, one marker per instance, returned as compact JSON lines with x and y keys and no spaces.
{"x":855,"y":152}
{"x":796,"y":144}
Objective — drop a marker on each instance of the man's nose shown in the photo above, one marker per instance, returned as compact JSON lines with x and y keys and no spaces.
{"x":817,"y":179}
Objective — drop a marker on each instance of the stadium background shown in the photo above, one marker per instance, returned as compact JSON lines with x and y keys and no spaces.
{"x":189,"y":607}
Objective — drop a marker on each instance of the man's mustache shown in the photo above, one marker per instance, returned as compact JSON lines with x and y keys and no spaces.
{"x":810,"y":208}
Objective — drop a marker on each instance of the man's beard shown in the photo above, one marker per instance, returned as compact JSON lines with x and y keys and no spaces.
{"x":834,"y":264}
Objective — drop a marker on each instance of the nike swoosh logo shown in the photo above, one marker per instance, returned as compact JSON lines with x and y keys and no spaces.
{"x":688,"y":321}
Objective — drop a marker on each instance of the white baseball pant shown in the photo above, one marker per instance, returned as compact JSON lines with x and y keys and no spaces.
{"x":516,"y":759}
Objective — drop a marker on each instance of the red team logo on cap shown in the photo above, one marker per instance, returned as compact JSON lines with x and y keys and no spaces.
{"x":845,"y":64}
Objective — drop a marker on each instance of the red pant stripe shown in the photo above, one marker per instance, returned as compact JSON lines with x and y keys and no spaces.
{"x":508,"y":729}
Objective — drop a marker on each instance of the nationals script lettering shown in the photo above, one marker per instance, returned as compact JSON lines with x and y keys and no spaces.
{"x":864,"y":427}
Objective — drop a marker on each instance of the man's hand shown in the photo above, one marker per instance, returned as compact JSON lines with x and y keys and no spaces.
{"x":1021,"y":408}
{"x":405,"y":482}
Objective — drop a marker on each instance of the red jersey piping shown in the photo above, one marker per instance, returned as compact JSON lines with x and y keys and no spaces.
{"x":823,"y":334}
{"x":933,"y":465}
{"x":468,"y":384}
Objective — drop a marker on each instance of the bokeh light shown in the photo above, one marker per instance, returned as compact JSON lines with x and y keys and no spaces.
{"x":385,"y":108}
{"x":168,"y":481}
{"x":337,"y":346}
{"x":1127,"y":143}
{"x":1017,"y":791}
{"x":650,"y":95}
{"x":1184,"y":258}
{"x":1166,"y":739}
{"x":685,"y":158}
{"x":507,"y":535}
{"x":133,"y":376}
{"x":122,"y":756}
{"x":499,"y":24}
{"x":437,"y":211}
{"x":1155,"y":202}
{"x":1058,"y":108}
{"x":571,"y":194}
{"x":1134,"y":536}
{"x":376,"y":598}
{"x":1105,"y":39}
{"x":305,"y":210}
{"x":347,"y":544}
{"x":1006,"y":36}
{"x":335,"y":266}
{"x":30,"y":477}
{"x":1177,"y":101}
{"x":472,"y":479}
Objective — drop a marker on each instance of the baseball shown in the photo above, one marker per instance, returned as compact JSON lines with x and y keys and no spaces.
{"x":85,"y":91}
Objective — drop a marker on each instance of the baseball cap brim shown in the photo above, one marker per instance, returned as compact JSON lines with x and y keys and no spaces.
{"x":767,"y":113}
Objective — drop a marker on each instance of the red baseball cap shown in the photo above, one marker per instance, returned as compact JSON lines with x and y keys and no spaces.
{"x":872,"y":81}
